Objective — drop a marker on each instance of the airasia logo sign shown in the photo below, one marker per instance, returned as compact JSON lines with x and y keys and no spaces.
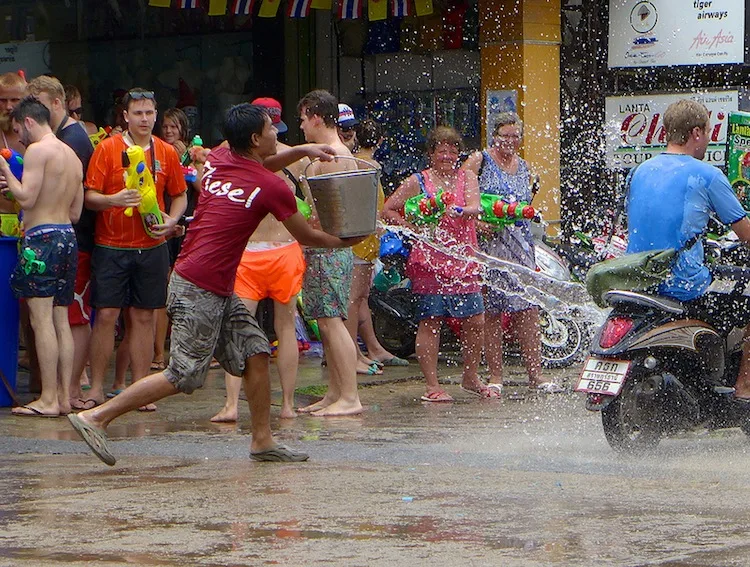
{"x":639,"y":128}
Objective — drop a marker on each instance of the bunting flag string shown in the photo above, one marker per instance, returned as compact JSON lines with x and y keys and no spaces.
{"x":188,"y":3}
{"x":242,"y":7}
{"x":268,"y":9}
{"x":159,"y":3}
{"x":299,"y":8}
{"x":424,"y":7}
{"x":377,"y":10}
{"x":217,"y":7}
{"x":400,"y":8}
{"x":350,"y":9}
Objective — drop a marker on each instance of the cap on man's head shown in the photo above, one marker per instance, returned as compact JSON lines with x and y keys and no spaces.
{"x":346,"y":116}
{"x":273,"y":107}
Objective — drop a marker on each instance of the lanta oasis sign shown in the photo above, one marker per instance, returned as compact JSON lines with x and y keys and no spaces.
{"x":649,"y":33}
{"x":634,"y":130}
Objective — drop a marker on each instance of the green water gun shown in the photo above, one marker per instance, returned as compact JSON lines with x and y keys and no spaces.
{"x":30,"y":263}
{"x":185,"y":158}
{"x":500,"y":213}
{"x":304,"y":209}
{"x":422,"y":209}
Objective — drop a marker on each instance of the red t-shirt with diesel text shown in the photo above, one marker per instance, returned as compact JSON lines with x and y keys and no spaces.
{"x":236,"y":194}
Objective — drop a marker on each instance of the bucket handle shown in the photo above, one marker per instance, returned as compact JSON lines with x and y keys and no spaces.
{"x":371,"y":165}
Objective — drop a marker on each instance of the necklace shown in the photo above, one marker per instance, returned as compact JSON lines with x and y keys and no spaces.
{"x":442,"y":183}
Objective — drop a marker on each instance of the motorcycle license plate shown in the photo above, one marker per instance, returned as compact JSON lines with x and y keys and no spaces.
{"x":603,"y":376}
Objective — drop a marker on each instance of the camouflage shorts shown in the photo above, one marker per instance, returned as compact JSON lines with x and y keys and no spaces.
{"x":205,"y":325}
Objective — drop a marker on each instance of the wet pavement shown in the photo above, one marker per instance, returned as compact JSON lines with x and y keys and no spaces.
{"x":528,"y":482}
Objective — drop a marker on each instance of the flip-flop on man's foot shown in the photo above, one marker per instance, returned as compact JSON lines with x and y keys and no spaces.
{"x":279,"y":454}
{"x":30,"y":411}
{"x":549,"y":388}
{"x":482,"y":391}
{"x":437,"y":396}
{"x":95,"y":438}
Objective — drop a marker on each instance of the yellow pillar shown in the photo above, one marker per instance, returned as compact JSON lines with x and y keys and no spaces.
{"x":520,"y":51}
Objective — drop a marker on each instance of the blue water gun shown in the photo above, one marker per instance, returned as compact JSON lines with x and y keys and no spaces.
{"x":15,"y":161}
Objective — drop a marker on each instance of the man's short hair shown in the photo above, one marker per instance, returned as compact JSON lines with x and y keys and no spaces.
{"x":444,"y":135}
{"x":369,"y":133}
{"x":137,"y":93}
{"x":12,"y":81}
{"x":320,"y":103}
{"x":241,"y":122}
{"x":46,"y":84}
{"x":681,"y":117}
{"x":31,"y":107}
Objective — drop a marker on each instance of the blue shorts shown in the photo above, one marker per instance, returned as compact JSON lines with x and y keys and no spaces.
{"x":47,"y":264}
{"x":456,"y":306}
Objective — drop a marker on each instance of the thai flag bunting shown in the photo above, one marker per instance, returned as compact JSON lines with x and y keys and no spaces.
{"x":350,"y":9}
{"x":299,"y":8}
{"x":400,"y":8}
{"x":242,"y":7}
{"x":188,"y":3}
{"x":217,"y":7}
{"x":268,"y":9}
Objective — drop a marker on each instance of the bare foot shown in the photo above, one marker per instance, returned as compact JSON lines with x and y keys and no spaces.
{"x":287,"y":413}
{"x":319,"y":405}
{"x":339,"y":408}
{"x":34,"y":409}
{"x":148,"y":407}
{"x":225,"y":416}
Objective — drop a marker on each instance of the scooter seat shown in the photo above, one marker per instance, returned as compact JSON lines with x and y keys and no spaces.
{"x":647,"y":300}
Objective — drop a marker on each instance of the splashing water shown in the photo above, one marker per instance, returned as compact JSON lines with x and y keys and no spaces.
{"x":557,"y":297}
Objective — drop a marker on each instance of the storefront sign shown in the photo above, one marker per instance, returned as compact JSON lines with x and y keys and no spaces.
{"x":649,"y":33}
{"x":32,"y":57}
{"x":634,"y":130}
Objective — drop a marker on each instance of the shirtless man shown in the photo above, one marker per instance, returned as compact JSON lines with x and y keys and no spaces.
{"x":51,"y":197}
{"x":272,"y":266}
{"x":328,"y":275}
{"x":12,"y":90}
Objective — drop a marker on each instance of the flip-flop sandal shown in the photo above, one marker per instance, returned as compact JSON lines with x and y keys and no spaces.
{"x":372,"y":370}
{"x":279,"y":454}
{"x":158,"y":366}
{"x":437,"y":397}
{"x":31,"y":412}
{"x":486,"y":393}
{"x":95,"y":438}
{"x":116,"y":392}
{"x":549,"y":388}
{"x":498,"y":388}
{"x":394,"y":361}
{"x":88,"y":401}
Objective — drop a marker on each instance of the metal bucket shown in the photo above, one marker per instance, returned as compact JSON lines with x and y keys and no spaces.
{"x":346,"y":201}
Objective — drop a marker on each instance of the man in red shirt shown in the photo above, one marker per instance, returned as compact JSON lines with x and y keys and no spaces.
{"x":129,"y":268}
{"x":207,"y":318}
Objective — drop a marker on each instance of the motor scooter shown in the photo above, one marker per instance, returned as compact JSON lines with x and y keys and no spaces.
{"x":656,"y":367}
{"x":564,"y":339}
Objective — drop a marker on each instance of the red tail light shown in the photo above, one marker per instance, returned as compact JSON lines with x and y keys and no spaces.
{"x":614,"y":330}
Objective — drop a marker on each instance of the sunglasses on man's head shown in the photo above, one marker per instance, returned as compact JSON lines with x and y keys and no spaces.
{"x":138,"y":95}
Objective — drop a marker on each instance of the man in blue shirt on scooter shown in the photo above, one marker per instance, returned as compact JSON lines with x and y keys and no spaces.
{"x":670,"y":199}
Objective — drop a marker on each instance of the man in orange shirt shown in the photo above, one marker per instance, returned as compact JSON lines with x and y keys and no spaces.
{"x":129,"y":267}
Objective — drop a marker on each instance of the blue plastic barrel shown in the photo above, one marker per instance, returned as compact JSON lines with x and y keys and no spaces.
{"x":8,"y":318}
